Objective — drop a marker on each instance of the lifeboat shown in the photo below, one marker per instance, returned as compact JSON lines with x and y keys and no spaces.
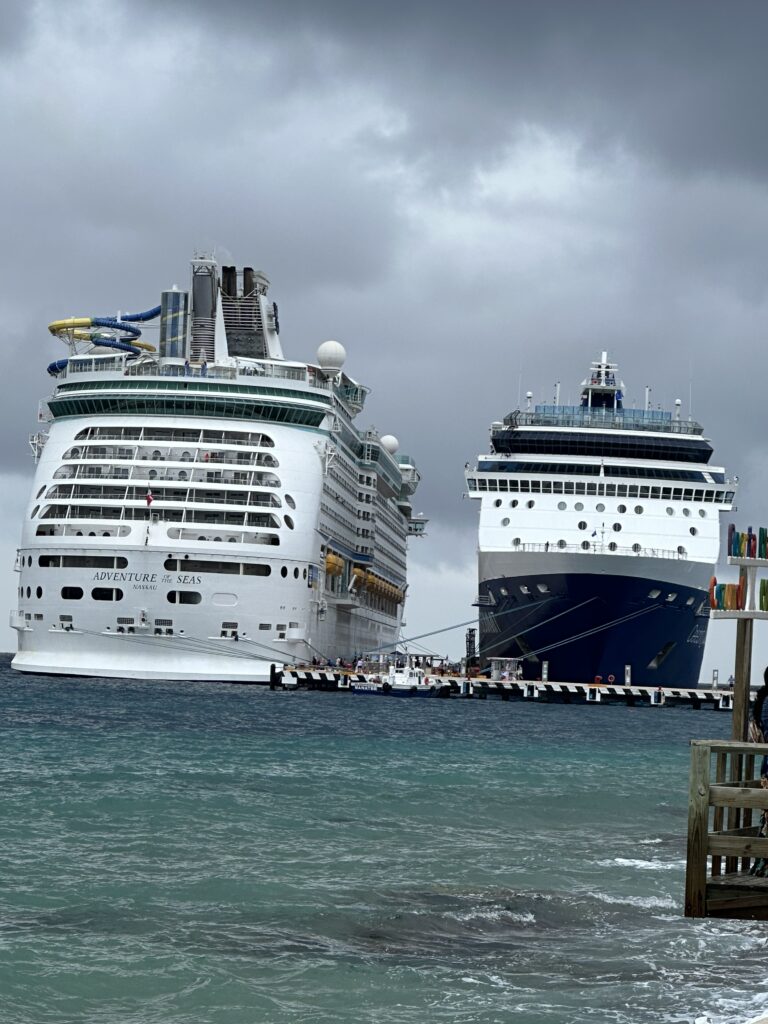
{"x":334,"y":564}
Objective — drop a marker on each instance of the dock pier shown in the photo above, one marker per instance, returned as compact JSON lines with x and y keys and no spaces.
{"x":457,"y":687}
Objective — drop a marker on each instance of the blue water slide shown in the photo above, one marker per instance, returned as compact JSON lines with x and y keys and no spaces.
{"x":124,"y":324}
{"x":150,"y":314}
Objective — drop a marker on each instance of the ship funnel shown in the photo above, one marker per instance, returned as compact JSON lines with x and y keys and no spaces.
{"x":205,"y":282}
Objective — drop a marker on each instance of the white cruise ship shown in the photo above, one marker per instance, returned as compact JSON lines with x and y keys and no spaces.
{"x":599,"y":533}
{"x":203,"y":508}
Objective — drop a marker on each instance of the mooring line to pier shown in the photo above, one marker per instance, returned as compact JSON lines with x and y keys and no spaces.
{"x":589,"y":632}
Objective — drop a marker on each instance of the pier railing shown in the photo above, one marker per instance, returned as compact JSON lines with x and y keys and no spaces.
{"x":726,"y":853}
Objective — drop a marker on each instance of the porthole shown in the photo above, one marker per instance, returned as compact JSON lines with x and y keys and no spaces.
{"x":292,"y":504}
{"x":681,"y":550}
{"x":612,"y":546}
{"x":304,"y":573}
{"x":284,"y":571}
{"x":514,"y":503}
{"x":562,"y":506}
{"x":497,"y":503}
{"x":639,"y":509}
{"x":35,"y":510}
{"x":582,"y":525}
{"x":562,"y":544}
{"x":621,"y":508}
{"x":653,"y":594}
{"x":288,"y":522}
{"x":505,"y":522}
{"x":690,"y":601}
{"x":40,"y":491}
{"x":585,"y":545}
{"x":29,"y":592}
{"x":542,"y":588}
{"x":637,"y":548}
{"x":524,"y":589}
{"x":39,"y":592}
{"x":516,"y":542}
{"x":503,"y":591}
{"x":296,"y":573}
{"x":579,"y":506}
{"x":670,"y":598}
{"x":693,"y":531}
{"x":617,"y":527}
{"x":686,"y":512}
{"x":599,"y":507}
{"x":670,"y":510}
{"x":702,"y":513}
{"x":29,"y":561}
{"x":530,"y":504}
{"x":72,"y":593}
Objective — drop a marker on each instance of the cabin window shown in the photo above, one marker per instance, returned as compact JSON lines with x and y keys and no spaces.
{"x":184,"y":597}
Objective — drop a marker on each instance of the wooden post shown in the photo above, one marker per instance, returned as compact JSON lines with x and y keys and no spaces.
{"x":698,"y":826}
{"x":742,"y":674}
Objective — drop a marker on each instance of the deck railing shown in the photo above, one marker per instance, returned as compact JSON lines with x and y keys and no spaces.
{"x":725,"y":805}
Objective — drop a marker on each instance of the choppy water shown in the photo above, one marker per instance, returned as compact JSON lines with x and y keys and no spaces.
{"x":204,"y":854}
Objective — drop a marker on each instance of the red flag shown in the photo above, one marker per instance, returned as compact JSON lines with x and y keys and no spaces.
{"x":150,"y":499}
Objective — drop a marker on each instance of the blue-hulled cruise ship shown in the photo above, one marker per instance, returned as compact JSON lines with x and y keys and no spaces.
{"x":599,"y":532}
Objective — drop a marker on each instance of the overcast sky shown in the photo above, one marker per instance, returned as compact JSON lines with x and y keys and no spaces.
{"x":476,"y":199}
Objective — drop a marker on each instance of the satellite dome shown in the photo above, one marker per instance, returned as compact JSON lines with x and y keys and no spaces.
{"x":390,"y":443}
{"x":331,"y":356}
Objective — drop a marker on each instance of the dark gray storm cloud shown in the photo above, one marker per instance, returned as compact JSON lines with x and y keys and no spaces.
{"x":476,"y":199}
{"x":678,"y":82}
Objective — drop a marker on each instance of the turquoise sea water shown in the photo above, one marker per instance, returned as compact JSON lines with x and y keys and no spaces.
{"x":195,"y":853}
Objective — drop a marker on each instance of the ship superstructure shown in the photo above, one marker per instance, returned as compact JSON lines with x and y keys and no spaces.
{"x":599,"y":531}
{"x":204,"y":508}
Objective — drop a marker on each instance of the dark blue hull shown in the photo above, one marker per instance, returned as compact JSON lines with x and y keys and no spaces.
{"x":589,"y":625}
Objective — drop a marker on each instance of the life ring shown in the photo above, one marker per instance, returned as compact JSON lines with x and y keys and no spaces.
{"x":611,"y":678}
{"x":598,"y":680}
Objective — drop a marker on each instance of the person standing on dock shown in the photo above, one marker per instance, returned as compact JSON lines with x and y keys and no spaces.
{"x":758,"y":722}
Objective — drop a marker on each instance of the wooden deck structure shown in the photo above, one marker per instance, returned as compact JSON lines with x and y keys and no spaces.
{"x":725,"y":807}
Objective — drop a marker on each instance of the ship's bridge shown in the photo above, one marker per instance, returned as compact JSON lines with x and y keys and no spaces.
{"x":603,"y":418}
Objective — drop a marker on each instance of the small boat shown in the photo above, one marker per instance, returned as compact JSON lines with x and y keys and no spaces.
{"x":401,"y":681}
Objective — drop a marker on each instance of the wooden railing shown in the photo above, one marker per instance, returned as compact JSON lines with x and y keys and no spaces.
{"x":726,"y":802}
